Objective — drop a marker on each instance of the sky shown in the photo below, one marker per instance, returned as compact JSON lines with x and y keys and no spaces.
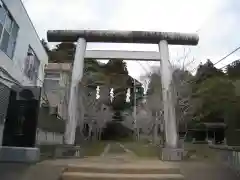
{"x":215,"y":21}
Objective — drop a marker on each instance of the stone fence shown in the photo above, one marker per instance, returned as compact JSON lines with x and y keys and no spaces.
{"x":229,"y":155}
{"x":45,"y":137}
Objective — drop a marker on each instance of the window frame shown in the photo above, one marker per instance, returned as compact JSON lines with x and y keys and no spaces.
{"x":11,"y":37}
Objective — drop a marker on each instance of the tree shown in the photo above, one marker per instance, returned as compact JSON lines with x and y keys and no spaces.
{"x":63,"y":52}
{"x":210,"y":94}
{"x":154,"y":103}
{"x":45,"y":45}
{"x":184,"y":103}
{"x":216,"y":97}
{"x":207,"y":70}
{"x":233,"y":70}
{"x":154,"y":92}
{"x":117,"y":72}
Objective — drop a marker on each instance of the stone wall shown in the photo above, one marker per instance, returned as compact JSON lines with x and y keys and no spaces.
{"x":45,"y":137}
{"x":229,"y":155}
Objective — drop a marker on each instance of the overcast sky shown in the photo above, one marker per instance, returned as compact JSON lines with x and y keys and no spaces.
{"x":216,"y":20}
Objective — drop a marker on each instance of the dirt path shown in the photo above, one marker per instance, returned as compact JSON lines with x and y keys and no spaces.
{"x":117,"y":152}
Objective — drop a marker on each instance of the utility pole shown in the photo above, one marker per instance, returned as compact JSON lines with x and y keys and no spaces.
{"x":135,"y":110}
{"x":155,"y":131}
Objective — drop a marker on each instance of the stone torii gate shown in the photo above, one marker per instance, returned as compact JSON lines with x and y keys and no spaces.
{"x":163,"y":39}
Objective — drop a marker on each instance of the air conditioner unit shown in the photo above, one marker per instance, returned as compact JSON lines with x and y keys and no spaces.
{"x":28,"y":93}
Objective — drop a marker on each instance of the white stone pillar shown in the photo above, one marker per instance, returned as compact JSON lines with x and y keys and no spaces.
{"x":168,"y":101}
{"x":77,"y":74}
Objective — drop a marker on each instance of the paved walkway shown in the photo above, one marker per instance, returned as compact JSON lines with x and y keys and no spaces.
{"x":51,"y":169}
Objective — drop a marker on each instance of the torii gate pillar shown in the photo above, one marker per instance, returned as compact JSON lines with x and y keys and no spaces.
{"x":73,"y":104}
{"x":171,"y":150}
{"x":170,"y":123}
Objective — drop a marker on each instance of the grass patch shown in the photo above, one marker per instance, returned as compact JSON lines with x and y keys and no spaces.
{"x":143,"y":149}
{"x":126,"y":139}
{"x":94,"y":148}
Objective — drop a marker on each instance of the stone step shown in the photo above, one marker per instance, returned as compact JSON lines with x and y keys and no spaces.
{"x":108,"y":176}
{"x":123,"y":169}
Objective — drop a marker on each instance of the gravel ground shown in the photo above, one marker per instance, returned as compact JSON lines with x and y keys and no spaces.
{"x":195,"y":169}
{"x":191,"y":171}
{"x":9,"y":171}
{"x":205,"y":170}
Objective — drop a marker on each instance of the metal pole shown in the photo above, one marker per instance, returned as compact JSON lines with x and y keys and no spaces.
{"x":168,"y":98}
{"x":77,"y":74}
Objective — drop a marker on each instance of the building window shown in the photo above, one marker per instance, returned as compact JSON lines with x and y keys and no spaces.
{"x":31,"y":65}
{"x":8,"y":31}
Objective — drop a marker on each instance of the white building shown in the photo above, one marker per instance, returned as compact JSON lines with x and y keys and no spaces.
{"x":22,"y":56}
{"x":56,"y":87}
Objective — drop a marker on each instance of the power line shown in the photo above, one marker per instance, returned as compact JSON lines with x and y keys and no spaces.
{"x":227,"y":55}
{"x":235,"y":50}
{"x":193,"y":81}
{"x":229,"y":64}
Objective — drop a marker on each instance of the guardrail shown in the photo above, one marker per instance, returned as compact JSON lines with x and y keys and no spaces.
{"x":229,"y":155}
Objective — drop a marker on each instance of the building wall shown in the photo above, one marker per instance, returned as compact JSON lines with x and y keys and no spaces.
{"x":26,"y":36}
{"x":12,"y":68}
{"x":57,"y":88}
{"x":64,"y":84}
{"x":56,"y":91}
